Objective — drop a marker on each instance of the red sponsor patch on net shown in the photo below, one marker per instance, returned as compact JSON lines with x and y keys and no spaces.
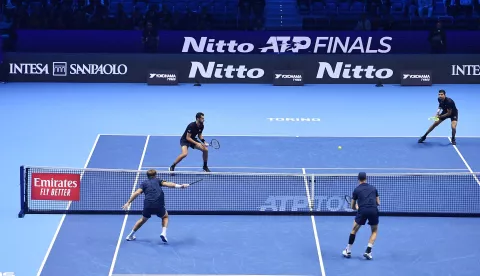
{"x":55,"y":186}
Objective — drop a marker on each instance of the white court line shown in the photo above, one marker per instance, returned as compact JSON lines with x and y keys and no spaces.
{"x":64,"y":215}
{"x":204,"y":275}
{"x":314,"y":225}
{"x":126,"y":216}
{"x":282,"y":135}
{"x":272,"y":168}
{"x":465,"y":162}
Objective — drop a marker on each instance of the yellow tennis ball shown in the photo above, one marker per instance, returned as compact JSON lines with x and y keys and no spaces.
{"x":339,"y":147}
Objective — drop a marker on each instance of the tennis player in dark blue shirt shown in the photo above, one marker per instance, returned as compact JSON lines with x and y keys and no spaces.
{"x":365,"y":200}
{"x":446,"y":109}
{"x":154,"y":202}
{"x":189,"y":139}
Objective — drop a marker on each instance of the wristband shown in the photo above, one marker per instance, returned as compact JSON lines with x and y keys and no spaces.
{"x":178,"y":186}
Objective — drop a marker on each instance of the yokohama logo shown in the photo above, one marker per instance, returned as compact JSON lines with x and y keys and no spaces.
{"x":55,"y":186}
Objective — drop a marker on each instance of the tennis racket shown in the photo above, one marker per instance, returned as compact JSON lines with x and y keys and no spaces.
{"x":348,"y":199}
{"x":214,"y":143}
{"x":434,"y":118}
{"x":196,"y":181}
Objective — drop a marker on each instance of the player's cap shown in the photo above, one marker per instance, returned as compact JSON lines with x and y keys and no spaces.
{"x":362,"y":176}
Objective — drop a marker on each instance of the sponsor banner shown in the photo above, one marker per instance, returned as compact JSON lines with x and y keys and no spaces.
{"x":316,"y":69}
{"x":69,"y":71}
{"x":239,"y":42}
{"x":162,"y":77}
{"x":288,"y":78}
{"x":55,"y":186}
{"x":416,"y":78}
{"x":466,"y":69}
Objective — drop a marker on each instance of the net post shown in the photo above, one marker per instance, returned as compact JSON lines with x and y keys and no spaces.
{"x":21,"y":214}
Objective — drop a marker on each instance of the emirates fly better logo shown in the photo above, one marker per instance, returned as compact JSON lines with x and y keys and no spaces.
{"x":55,"y":186}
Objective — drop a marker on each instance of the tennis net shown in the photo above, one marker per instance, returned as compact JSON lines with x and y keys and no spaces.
{"x":49,"y":190}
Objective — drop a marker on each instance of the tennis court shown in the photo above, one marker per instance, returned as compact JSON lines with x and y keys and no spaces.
{"x":259,"y":245}
{"x":272,"y":172}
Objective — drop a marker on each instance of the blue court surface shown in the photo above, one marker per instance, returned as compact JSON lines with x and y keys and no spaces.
{"x":95,"y":245}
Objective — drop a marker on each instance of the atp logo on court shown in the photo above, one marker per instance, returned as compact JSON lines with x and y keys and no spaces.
{"x":7,"y":273}
{"x":300,"y":203}
{"x":55,"y":186}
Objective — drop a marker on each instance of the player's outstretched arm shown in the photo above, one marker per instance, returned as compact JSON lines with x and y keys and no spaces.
{"x":132,"y":198}
{"x":174,"y":185}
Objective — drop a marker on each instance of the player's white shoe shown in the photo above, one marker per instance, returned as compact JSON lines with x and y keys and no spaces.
{"x":368,"y":256}
{"x":131,"y":238}
{"x":163,"y":237}
{"x":346,"y":253}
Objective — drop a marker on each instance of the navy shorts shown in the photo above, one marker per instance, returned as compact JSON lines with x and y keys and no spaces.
{"x":188,"y":144}
{"x":148,"y":211}
{"x":370,"y":214}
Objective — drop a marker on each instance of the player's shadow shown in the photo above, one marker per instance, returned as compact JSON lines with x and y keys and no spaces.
{"x":432,"y":144}
{"x":159,"y":242}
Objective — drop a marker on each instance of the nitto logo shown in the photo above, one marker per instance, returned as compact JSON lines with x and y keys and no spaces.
{"x":422,"y":77}
{"x":349,"y":71}
{"x":213,"y":46}
{"x":220,"y":71}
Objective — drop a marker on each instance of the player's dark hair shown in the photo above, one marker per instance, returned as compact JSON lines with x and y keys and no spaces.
{"x":362,"y":176}
{"x":442,"y":92}
{"x":151,"y":173}
{"x":199,"y":115}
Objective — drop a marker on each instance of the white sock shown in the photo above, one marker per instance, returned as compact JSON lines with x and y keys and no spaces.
{"x":370,"y":245}
{"x":164,"y":230}
{"x":349,"y":247}
{"x":132,"y":233}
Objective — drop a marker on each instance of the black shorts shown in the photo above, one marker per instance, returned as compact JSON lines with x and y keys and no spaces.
{"x":453,"y":117}
{"x":188,"y":144}
{"x":370,"y":214}
{"x":159,"y":211}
